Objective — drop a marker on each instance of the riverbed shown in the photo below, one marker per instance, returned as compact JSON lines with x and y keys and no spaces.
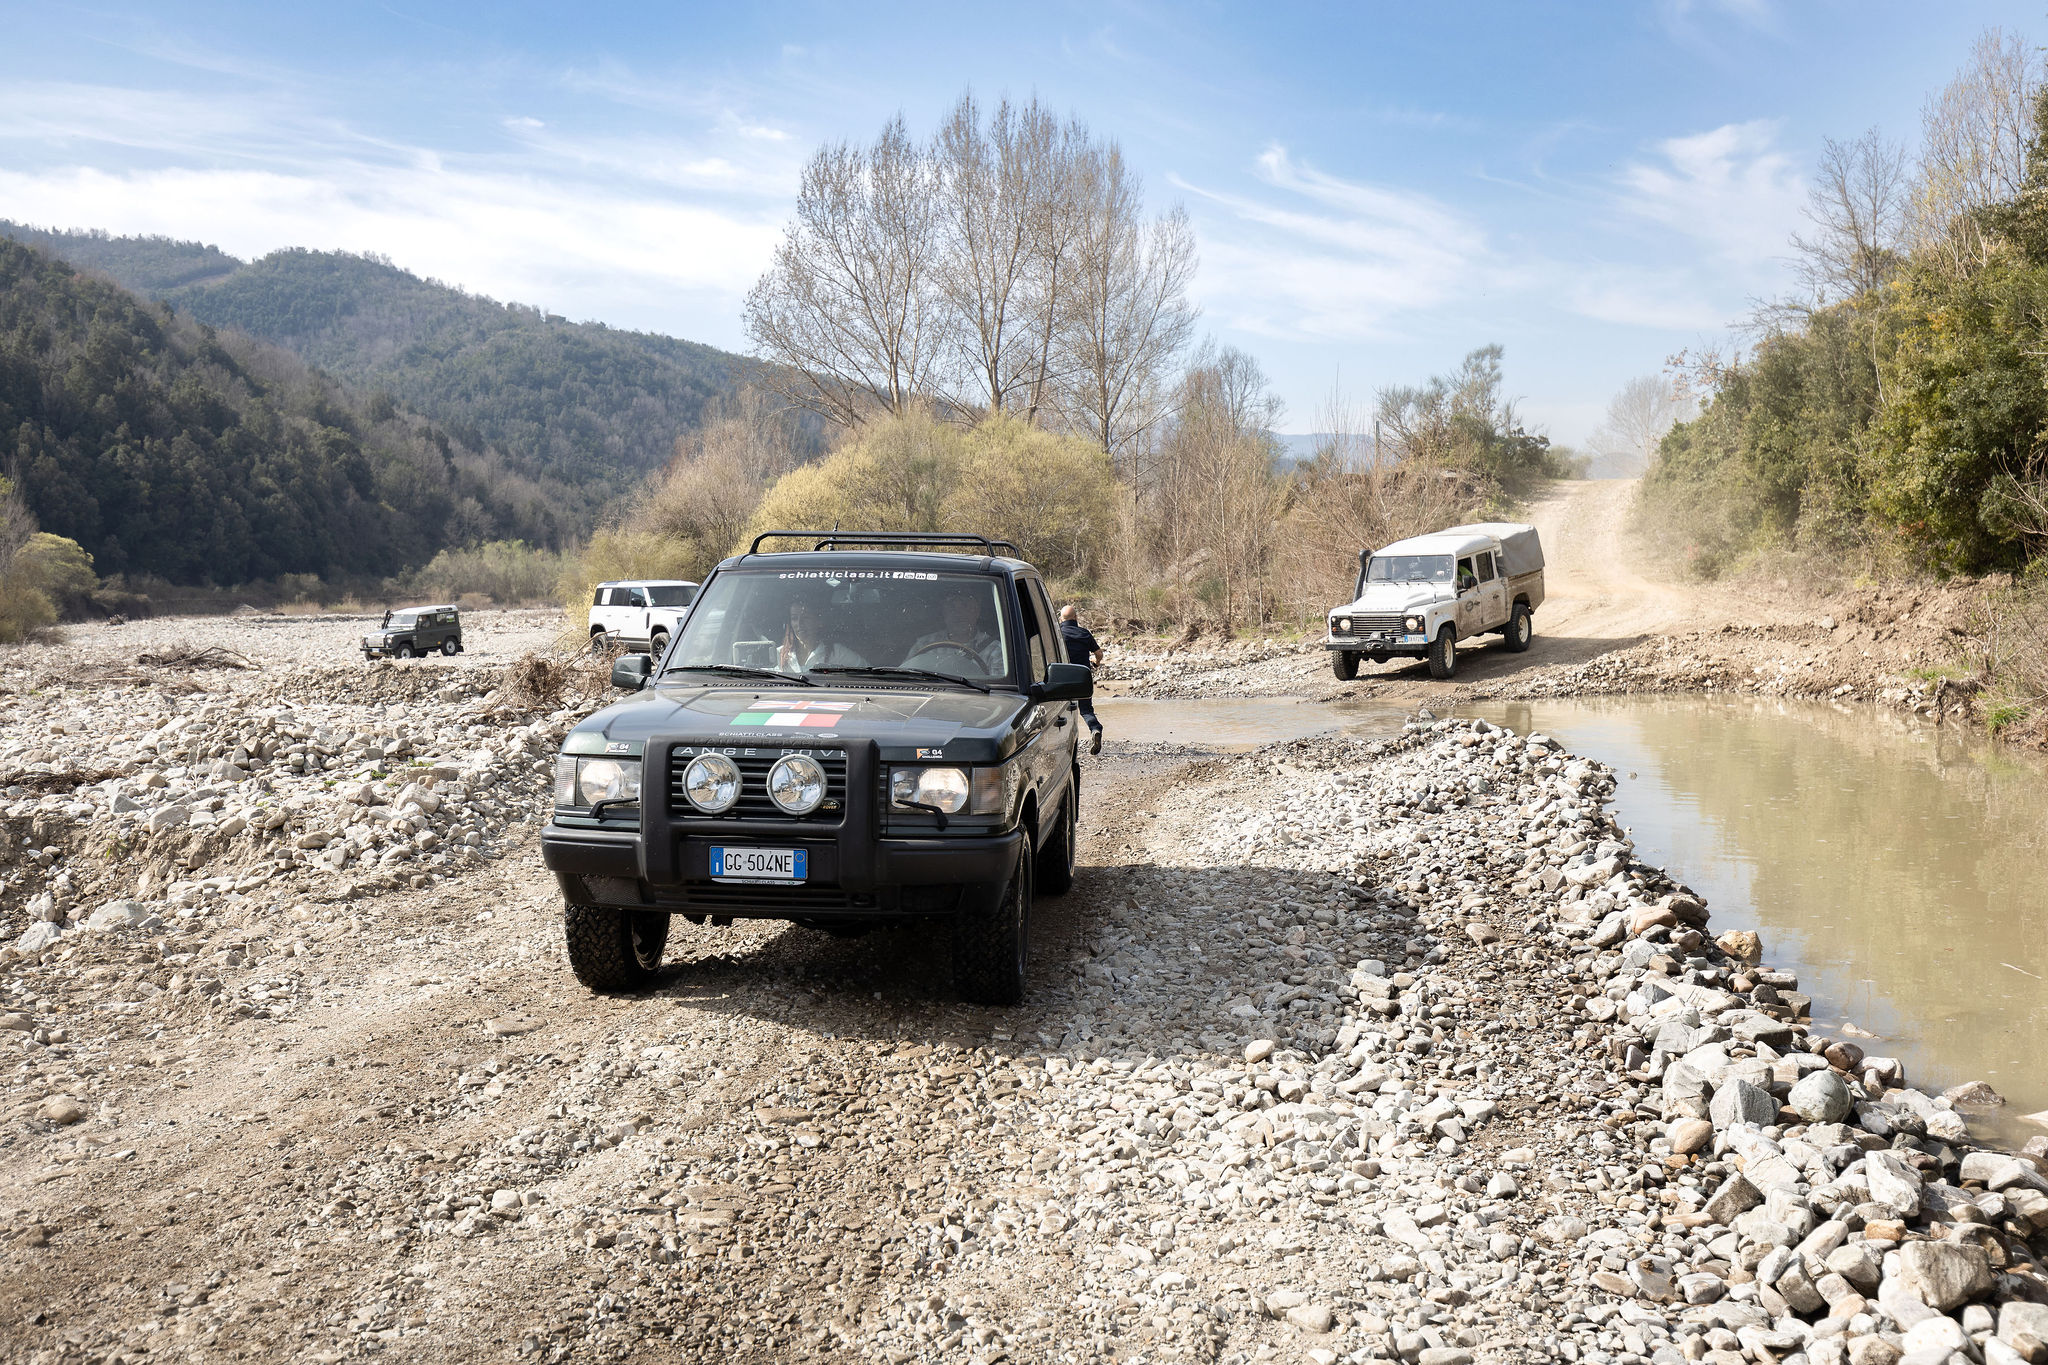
{"x":1900,"y":868}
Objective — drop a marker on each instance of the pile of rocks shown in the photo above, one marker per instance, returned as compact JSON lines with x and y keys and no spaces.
{"x":317,"y":777}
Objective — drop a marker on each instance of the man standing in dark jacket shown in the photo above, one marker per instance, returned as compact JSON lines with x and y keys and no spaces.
{"x":1082,"y":649}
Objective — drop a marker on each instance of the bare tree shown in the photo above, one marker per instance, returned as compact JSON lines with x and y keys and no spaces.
{"x":1858,"y":210}
{"x":998,"y":185}
{"x":1637,"y":418}
{"x":850,"y":310}
{"x":709,"y":490}
{"x":1974,"y":148}
{"x":1131,"y":315}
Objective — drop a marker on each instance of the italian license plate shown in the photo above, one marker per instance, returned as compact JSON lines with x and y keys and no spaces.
{"x":786,"y":865}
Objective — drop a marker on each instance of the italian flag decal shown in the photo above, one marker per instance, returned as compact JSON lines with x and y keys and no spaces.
{"x":812,"y":719}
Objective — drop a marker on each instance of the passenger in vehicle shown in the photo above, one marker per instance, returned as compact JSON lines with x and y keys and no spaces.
{"x":960,"y":613}
{"x":808,"y":642}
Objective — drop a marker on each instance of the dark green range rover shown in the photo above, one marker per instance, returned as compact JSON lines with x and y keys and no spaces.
{"x":877,"y":728}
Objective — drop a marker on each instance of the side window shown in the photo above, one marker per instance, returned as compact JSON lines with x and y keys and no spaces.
{"x":1486,"y":570}
{"x":1036,"y":638}
{"x":1465,"y":575}
{"x":597,"y":598}
{"x":636,"y":597}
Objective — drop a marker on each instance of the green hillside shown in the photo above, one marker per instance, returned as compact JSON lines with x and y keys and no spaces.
{"x":164,"y":447}
{"x":581,"y":402}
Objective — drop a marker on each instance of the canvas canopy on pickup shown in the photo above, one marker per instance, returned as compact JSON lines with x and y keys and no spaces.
{"x":1520,"y":550}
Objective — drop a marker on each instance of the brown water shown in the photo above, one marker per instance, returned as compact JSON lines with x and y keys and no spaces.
{"x":1900,"y":869}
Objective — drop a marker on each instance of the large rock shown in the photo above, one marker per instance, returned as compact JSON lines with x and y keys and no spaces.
{"x":2024,"y":1327}
{"x":169,"y":817}
{"x":1997,"y":1171}
{"x":1741,"y":944}
{"x":1821,"y":1097}
{"x":119,"y":914}
{"x":1735,"y":1197}
{"x":1740,"y":1102}
{"x":37,"y":938}
{"x":1944,"y":1275}
{"x":1892,"y":1183}
{"x":1753,"y":1027}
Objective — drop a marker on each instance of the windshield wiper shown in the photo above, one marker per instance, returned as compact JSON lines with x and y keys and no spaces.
{"x":739,"y":670}
{"x":904,"y":673}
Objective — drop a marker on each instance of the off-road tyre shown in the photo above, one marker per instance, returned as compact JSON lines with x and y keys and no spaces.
{"x":614,"y":950}
{"x":407,"y":652}
{"x":1344,"y":663}
{"x":600,"y":641}
{"x":1521,"y":629}
{"x":448,"y":648}
{"x":657,"y":644}
{"x":992,"y":937}
{"x":1443,"y":653}
{"x":1056,"y":857}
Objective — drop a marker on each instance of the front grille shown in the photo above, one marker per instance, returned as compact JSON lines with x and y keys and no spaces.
{"x":1367,"y":625}
{"x":754,"y":803}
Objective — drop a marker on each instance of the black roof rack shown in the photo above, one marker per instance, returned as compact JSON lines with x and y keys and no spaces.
{"x":904,"y":539}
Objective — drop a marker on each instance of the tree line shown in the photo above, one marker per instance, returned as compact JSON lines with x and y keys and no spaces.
{"x":1894,"y":414}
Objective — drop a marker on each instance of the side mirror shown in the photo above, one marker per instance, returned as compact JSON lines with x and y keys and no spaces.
{"x":629,"y":674}
{"x":1067,"y":682}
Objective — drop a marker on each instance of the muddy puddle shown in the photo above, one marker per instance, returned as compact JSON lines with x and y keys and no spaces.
{"x":1900,"y":869}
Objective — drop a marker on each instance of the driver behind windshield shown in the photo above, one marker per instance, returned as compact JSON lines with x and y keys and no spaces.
{"x":962,"y":632}
{"x":808,"y":642}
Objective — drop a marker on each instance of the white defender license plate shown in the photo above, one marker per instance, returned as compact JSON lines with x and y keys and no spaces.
{"x":785,"y":865}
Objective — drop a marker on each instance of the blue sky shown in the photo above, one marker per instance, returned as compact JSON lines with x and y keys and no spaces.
{"x":1377,"y":188}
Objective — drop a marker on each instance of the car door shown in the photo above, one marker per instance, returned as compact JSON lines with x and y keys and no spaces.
{"x":604,"y":611}
{"x":1493,"y":591}
{"x":1054,"y":719}
{"x":1469,"y":610}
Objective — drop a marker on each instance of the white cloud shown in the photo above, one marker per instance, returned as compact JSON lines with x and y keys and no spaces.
{"x":1331,"y":258}
{"x":644,"y":231}
{"x":1729,"y":189}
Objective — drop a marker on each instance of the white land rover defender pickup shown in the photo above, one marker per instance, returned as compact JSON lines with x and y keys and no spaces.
{"x":640,"y":613}
{"x":1421,"y":596}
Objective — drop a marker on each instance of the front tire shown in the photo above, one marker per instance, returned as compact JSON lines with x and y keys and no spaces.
{"x":1443,"y":653}
{"x":1056,"y":859}
{"x":657,"y":644}
{"x":614,"y":950}
{"x":1344,"y":664}
{"x":992,"y":937}
{"x":1521,"y":629}
{"x":407,"y":652}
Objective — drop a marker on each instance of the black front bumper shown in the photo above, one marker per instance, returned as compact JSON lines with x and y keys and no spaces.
{"x":854,"y":871}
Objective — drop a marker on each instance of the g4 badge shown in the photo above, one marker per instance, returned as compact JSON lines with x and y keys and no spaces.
{"x":931,"y":753}
{"x":617,"y":747}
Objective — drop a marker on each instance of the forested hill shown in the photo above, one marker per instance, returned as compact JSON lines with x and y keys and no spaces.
{"x":164,"y":447}
{"x":578,"y":401}
{"x":148,"y":265}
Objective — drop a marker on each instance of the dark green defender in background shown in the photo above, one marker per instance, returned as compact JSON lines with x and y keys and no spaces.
{"x":876,"y":729}
{"x":410,"y":632}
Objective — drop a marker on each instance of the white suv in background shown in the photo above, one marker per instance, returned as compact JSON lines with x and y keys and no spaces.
{"x":639,"y":613}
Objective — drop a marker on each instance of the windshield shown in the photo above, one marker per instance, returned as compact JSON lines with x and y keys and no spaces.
{"x":1409,"y":569}
{"x":671,"y":595}
{"x":400,"y":620}
{"x":798,"y":621}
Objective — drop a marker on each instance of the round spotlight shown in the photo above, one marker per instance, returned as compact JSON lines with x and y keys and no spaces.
{"x":796,"y":784}
{"x":712,"y":783}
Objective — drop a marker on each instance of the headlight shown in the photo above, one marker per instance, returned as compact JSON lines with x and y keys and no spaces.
{"x":796,"y":784}
{"x":944,"y":788}
{"x":979,"y":791}
{"x":712,"y":783}
{"x":1344,"y":624}
{"x":607,"y":779}
{"x":1413,"y":623}
{"x":583,"y":782}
